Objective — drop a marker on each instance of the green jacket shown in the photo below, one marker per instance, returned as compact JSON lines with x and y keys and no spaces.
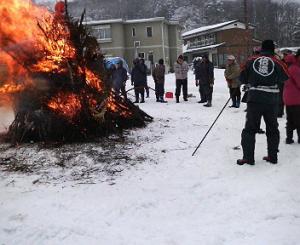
{"x":232,"y":75}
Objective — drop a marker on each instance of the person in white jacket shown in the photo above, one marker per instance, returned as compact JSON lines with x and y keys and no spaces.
{"x":181,"y":73}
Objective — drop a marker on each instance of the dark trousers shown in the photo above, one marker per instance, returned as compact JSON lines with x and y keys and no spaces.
{"x":281,"y":103}
{"x":147,"y":90}
{"x":139,"y":91}
{"x":293,"y":120}
{"x":181,"y":83}
{"x":159,"y":90}
{"x":235,"y":94}
{"x":122,"y":91}
{"x":208,"y":91}
{"x":202,"y":92}
{"x":253,"y":119}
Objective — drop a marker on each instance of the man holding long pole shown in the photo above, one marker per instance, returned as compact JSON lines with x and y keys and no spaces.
{"x":264,"y":73}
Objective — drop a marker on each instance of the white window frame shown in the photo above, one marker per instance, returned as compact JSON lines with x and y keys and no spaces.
{"x":137,"y":44}
{"x":103,"y":27}
{"x":144,"y":55}
{"x":147,"y":31}
{"x":150,"y":53}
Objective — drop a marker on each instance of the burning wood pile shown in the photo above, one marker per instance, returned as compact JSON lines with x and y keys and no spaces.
{"x":54,"y":74}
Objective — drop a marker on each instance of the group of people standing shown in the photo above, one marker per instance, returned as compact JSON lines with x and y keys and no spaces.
{"x":268,"y":80}
{"x":265,"y":74}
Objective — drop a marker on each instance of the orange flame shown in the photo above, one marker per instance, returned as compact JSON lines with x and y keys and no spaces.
{"x":67,"y":105}
{"x":32,"y":39}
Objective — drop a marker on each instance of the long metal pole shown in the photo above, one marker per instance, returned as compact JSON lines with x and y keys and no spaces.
{"x":211,"y":127}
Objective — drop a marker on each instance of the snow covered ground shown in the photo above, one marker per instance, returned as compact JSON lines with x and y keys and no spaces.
{"x":169,"y":197}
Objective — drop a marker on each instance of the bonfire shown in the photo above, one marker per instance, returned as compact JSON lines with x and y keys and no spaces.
{"x":55,"y":77}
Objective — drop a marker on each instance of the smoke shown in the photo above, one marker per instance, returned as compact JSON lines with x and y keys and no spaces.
{"x":6,"y":117}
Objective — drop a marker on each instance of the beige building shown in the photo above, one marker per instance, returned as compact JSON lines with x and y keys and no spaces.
{"x":151,"y":39}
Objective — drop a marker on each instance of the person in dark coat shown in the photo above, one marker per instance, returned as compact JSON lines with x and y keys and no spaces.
{"x":264,"y":73}
{"x":205,"y":78}
{"x":197,"y":71}
{"x":159,"y":80}
{"x":138,"y":80}
{"x":142,"y":62}
{"x":119,"y":78}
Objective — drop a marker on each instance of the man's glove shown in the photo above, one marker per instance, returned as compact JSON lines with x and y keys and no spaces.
{"x":245,"y":87}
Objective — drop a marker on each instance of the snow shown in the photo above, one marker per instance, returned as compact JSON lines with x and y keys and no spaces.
{"x":170,"y":198}
{"x":204,"y":48}
{"x":6,"y":117}
{"x":207,"y":28}
{"x":98,"y":22}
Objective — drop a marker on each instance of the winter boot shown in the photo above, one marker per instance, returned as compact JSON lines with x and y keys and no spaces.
{"x":270,"y":159}
{"x":185,"y":99}
{"x":244,"y":161}
{"x":238,"y":102}
{"x":202,"y":101}
{"x":289,"y":136}
{"x":162,"y":100}
{"x":298,"y":132}
{"x":208,"y":104}
{"x":233,"y":99}
{"x":137,"y":98}
{"x":177,"y":99}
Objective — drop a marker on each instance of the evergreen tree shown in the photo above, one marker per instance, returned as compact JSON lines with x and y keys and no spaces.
{"x":214,"y":11}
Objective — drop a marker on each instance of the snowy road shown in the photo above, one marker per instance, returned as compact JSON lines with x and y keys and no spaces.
{"x":180,"y":200}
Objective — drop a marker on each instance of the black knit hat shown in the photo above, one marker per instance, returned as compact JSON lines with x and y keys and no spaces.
{"x":298,"y":53}
{"x":180,"y":57}
{"x":268,"y":45}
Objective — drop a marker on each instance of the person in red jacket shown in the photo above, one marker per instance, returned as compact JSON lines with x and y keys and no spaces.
{"x":291,"y":97}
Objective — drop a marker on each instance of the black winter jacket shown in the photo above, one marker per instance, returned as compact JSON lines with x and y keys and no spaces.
{"x":264,"y":74}
{"x":139,"y":75}
{"x":204,"y":72}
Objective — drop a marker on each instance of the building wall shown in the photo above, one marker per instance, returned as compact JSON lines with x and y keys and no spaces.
{"x":236,"y":43}
{"x":115,"y":47}
{"x":164,"y":42}
{"x":175,"y":43}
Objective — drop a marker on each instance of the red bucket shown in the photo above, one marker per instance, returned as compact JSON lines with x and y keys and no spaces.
{"x":169,"y":95}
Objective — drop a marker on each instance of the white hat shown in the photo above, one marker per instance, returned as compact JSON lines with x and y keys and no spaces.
{"x":230,"y":57}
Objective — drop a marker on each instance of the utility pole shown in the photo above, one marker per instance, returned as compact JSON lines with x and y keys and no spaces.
{"x":248,"y":34}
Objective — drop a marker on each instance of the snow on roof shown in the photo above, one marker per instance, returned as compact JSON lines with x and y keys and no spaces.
{"x":204,"y":48}
{"x":99,"y":22}
{"x":207,"y":28}
{"x":145,"y":20}
{"x":293,"y":49}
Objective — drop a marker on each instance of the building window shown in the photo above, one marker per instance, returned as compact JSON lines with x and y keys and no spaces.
{"x":133,"y":32}
{"x":221,"y":60}
{"x":204,"y":40}
{"x":215,"y":59}
{"x":151,"y":57}
{"x":102,"y":33}
{"x":142,"y":55}
{"x":149,"y":31}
